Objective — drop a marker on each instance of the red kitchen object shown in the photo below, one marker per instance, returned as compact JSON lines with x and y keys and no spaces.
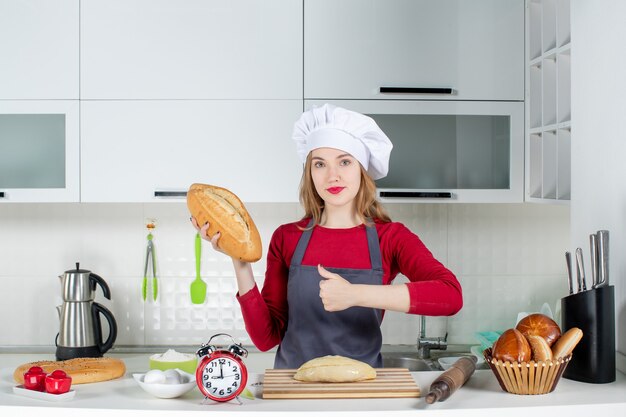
{"x":34,"y":379}
{"x":58,"y":382}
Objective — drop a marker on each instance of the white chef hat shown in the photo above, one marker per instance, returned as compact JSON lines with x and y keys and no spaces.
{"x":330,"y":126}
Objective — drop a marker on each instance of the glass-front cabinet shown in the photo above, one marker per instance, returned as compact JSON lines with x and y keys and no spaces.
{"x":449,"y":151}
{"x":39,"y":151}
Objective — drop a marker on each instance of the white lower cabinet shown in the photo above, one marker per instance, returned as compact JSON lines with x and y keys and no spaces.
{"x":133,"y":151}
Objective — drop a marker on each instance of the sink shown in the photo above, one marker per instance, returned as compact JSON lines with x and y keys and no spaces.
{"x":411,"y":362}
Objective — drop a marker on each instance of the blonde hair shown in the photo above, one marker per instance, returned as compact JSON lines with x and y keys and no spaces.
{"x":367,"y":207}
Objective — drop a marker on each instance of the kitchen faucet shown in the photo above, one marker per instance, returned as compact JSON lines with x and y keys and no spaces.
{"x":425,"y":344}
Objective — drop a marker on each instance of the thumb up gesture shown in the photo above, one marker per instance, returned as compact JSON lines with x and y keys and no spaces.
{"x":336,"y":293}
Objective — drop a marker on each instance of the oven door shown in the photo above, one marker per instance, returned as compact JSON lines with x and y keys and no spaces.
{"x":445,"y":151}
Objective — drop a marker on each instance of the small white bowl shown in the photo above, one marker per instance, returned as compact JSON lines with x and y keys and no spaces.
{"x":446,"y":362}
{"x":188,"y":381}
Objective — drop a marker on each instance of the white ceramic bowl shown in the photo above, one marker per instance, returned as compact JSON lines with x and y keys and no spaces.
{"x":188,"y":382}
{"x":447,"y":361}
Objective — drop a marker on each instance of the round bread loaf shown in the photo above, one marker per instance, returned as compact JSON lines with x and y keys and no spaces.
{"x":511,"y":346}
{"x":539,"y":325}
{"x":82,"y":370}
{"x":225,"y":213}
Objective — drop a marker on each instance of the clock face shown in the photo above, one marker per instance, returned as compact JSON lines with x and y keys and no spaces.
{"x":222,"y":377}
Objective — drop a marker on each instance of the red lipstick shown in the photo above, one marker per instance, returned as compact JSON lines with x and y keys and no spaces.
{"x":335,"y":190}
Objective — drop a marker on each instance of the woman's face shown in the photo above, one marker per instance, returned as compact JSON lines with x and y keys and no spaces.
{"x":336,"y":176}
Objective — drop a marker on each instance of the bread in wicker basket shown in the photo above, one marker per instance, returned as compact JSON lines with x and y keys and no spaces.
{"x":527,"y":378}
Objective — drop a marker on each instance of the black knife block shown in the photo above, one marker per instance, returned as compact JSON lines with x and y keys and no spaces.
{"x":593,"y":312}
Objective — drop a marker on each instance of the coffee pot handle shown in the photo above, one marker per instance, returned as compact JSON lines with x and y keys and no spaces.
{"x":96,"y":310}
{"x":96,"y":279}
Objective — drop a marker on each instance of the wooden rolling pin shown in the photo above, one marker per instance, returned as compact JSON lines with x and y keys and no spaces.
{"x":451,"y":380}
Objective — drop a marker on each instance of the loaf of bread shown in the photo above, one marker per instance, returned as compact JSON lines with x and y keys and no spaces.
{"x":225,"y":213}
{"x":512,"y":346}
{"x":539,"y":347}
{"x":566,"y":343}
{"x":334,"y":369}
{"x":82,"y":370}
{"x":539,"y":325}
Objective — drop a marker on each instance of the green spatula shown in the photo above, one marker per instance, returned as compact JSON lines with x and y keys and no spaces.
{"x":198,"y":287}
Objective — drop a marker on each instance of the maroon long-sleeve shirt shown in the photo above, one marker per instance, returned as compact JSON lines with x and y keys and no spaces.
{"x":433,"y":289}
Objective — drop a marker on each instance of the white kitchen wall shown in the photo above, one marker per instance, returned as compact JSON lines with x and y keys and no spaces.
{"x":508,"y":257}
{"x":599,"y":140}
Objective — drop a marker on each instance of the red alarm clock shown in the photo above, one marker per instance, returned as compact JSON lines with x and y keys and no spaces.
{"x":221,"y":374}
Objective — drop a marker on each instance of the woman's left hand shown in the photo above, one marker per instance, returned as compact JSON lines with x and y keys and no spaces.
{"x":336,"y":293}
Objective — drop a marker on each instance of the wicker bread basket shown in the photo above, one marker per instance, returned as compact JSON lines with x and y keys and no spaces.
{"x":527,"y":378}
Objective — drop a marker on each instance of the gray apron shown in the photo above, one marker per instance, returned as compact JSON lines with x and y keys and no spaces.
{"x":312,"y":331}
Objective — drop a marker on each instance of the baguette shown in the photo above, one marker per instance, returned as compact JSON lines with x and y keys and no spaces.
{"x":334,"y":369}
{"x":82,"y":370}
{"x":566,"y":343}
{"x":226,"y":214}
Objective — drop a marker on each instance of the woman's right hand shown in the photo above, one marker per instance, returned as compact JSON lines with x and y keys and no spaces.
{"x":203,"y":231}
{"x":243,"y":270}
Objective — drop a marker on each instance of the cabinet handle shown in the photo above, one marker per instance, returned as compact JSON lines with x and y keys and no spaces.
{"x":166,"y":194}
{"x":1,"y":194}
{"x":415,"y":194}
{"x":416,"y":90}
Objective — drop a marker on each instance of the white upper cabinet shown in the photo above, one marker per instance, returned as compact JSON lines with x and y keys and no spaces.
{"x":353,"y":48}
{"x":39,"y":151}
{"x":38,"y":49}
{"x":194,"y":49}
{"x":138,"y":151}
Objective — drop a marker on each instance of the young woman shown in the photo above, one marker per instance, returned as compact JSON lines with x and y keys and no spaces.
{"x":327,"y":280}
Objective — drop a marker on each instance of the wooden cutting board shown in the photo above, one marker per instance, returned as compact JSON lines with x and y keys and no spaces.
{"x":389,"y":383}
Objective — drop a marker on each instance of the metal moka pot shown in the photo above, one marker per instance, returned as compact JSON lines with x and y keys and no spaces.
{"x":80,"y":333}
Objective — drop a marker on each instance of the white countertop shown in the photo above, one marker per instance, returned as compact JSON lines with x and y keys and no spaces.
{"x":481,"y":396}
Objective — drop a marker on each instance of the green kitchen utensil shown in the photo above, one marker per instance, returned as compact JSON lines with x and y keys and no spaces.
{"x":198,"y":287}
{"x":150,"y":260}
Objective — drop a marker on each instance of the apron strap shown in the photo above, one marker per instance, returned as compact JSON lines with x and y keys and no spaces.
{"x":376,"y":259}
{"x":372,"y":243}
{"x":303,"y":242}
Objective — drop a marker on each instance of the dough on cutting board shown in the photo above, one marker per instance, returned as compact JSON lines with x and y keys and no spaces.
{"x":334,"y":369}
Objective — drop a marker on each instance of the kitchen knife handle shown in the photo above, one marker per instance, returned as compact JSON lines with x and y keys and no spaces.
{"x":417,"y":90}
{"x":603,"y":258}
{"x":580,"y":270}
{"x":593,"y":247}
{"x":568,"y":263}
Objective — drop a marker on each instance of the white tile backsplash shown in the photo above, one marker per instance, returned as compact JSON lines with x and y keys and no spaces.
{"x":508,"y":257}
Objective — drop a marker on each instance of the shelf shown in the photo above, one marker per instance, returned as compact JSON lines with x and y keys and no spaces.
{"x":548,"y":98}
{"x":535,"y":96}
{"x":548,"y":83}
{"x":549,"y":164}
{"x":563,"y":33}
{"x":564,"y":161}
{"x":563,"y":75}
{"x":534,"y":43}
{"x":548,"y":25}
{"x":535,"y":167}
